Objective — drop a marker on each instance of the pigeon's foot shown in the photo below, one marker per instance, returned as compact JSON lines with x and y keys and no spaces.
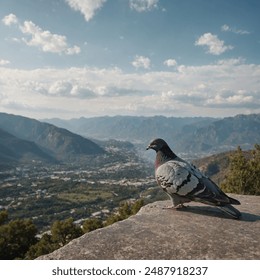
{"x":179,"y":206}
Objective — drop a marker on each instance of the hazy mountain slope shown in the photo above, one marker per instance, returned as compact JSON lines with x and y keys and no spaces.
{"x":184,"y":135}
{"x":134,"y":129}
{"x":13,"y":149}
{"x":225,"y":134}
{"x":56,"y":141}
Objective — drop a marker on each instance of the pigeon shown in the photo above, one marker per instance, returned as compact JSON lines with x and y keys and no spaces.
{"x":183,"y":182}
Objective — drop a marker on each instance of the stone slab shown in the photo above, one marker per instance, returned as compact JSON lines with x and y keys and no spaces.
{"x":196,"y":232}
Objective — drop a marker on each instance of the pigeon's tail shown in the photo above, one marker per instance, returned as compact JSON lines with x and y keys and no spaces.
{"x":230,"y":210}
{"x":233,"y":201}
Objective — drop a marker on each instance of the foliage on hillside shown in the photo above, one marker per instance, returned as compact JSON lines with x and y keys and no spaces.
{"x":125,"y":210}
{"x":243,"y":176}
{"x":234,"y":171}
{"x":18,"y":238}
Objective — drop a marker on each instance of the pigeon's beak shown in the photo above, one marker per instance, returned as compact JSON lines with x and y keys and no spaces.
{"x":148,"y":147}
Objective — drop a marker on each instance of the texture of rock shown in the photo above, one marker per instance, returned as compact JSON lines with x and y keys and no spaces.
{"x":196,"y":232}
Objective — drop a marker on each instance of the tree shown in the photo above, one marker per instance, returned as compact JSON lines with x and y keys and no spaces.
{"x":3,"y":217}
{"x":64,"y":231}
{"x":243,"y":176}
{"x":44,"y":246}
{"x":125,"y":210}
{"x":137,"y":206}
{"x":16,"y":238}
{"x":92,"y":224}
{"x":254,"y":166}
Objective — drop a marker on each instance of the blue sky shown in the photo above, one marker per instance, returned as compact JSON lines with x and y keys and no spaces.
{"x":72,"y":58}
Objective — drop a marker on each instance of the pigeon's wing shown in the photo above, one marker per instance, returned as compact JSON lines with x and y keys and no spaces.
{"x":183,"y":179}
{"x":210,"y":193}
{"x":176,"y":178}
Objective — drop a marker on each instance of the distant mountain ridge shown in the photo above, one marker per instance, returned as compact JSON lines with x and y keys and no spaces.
{"x":131,"y":128}
{"x":184,"y":135}
{"x":22,"y":137}
{"x":55,"y":142}
{"x":138,"y":130}
{"x":227,"y":134}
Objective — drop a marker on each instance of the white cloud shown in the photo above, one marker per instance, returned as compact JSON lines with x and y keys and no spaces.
{"x":141,"y":62}
{"x":143,"y":5}
{"x":170,"y":62}
{"x":232,"y":61}
{"x":214,"y":45}
{"x":45,"y":40}
{"x":10,"y":19}
{"x":238,"y":99}
{"x":74,"y":50}
{"x":66,"y":88}
{"x":60,"y":88}
{"x":225,"y":88}
{"x":4,"y":62}
{"x":87,"y":7}
{"x":227,"y":28}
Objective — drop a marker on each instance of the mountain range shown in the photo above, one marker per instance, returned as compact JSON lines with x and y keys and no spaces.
{"x":226,"y":134}
{"x":197,"y":135}
{"x":56,"y":140}
{"x":130,"y":128}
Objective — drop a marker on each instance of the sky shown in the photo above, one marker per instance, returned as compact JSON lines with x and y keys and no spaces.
{"x":74,"y":58}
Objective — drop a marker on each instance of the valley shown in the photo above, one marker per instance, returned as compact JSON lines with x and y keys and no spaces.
{"x":94,"y":188}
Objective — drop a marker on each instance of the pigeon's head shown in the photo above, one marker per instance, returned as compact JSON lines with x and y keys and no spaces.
{"x":157,"y":145}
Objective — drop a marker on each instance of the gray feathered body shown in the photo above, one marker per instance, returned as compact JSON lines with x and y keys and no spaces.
{"x":183,"y":182}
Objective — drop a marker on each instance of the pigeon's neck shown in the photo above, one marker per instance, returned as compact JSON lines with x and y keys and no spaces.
{"x":163,"y":155}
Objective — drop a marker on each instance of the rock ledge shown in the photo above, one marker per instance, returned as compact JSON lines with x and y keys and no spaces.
{"x":197,"y":232}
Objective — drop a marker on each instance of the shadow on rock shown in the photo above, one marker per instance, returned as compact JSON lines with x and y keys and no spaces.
{"x":215,"y":212}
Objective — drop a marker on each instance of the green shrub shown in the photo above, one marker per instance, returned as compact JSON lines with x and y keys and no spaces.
{"x":243,"y":176}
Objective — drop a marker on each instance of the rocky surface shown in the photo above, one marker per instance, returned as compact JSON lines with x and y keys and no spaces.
{"x":196,"y":232}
